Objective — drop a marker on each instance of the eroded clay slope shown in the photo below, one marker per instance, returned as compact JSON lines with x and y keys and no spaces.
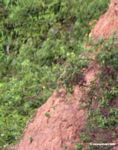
{"x":108,"y":23}
{"x":57,"y":124}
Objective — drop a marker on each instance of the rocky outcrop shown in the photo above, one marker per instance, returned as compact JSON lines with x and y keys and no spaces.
{"x":108,"y":23}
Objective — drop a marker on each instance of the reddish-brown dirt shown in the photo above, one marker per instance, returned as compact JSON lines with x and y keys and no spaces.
{"x":57,"y":124}
{"x":108,"y":23}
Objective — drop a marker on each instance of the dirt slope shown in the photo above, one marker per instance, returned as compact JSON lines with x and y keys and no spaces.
{"x":108,"y":23}
{"x":57,"y":124}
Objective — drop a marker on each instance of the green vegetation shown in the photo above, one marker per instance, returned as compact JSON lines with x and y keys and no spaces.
{"x":47,"y":114}
{"x":40,"y":46}
{"x":102,"y":97}
{"x":78,"y":147}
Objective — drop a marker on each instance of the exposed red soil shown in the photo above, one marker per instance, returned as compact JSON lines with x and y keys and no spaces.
{"x":57,"y":124}
{"x":108,"y":23}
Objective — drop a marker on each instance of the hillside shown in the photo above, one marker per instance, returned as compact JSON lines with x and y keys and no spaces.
{"x":48,"y":45}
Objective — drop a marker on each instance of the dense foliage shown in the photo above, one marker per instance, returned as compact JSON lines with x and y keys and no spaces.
{"x":40,"y":46}
{"x":102,"y":98}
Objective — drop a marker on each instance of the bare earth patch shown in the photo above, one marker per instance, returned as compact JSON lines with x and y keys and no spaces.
{"x":58,"y":123}
{"x":108,"y":23}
